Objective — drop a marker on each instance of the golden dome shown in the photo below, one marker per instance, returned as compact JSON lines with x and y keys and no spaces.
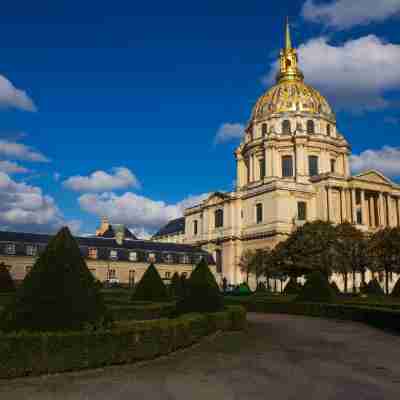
{"x":291,"y":94}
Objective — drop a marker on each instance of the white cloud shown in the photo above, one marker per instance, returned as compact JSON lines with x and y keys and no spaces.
{"x":139,"y":213}
{"x":10,"y":96}
{"x":342,"y":14}
{"x":56,"y":176}
{"x":26,"y":208}
{"x":385,"y":160}
{"x":353,"y":76}
{"x":101,"y":181}
{"x":20,"y":151}
{"x":229,"y":131}
{"x":10,"y":167}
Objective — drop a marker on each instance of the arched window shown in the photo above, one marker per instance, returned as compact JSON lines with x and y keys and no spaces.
{"x":310,"y":126}
{"x":219,"y":218}
{"x":259,"y":213}
{"x":286,"y":127}
{"x":264,"y":129}
{"x":333,"y":165}
{"x":287,"y":166}
{"x":195,"y":227}
{"x":313,"y":165}
{"x":328,"y":130}
{"x":218,"y":261}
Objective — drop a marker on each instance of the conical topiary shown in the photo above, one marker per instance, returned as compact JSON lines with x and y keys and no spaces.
{"x":396,"y":289}
{"x":292,"y":287}
{"x":373,"y":288}
{"x":335,"y":288}
{"x":202,"y":294}
{"x":175,"y":288}
{"x":150,"y":287}
{"x":60,"y":293}
{"x":316,"y":289}
{"x":6,"y":281}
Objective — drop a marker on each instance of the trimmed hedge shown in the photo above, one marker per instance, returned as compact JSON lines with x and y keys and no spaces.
{"x":379,"y":317}
{"x":142,"y":311}
{"x":24,"y":354}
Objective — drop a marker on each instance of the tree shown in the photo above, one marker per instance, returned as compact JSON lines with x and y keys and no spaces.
{"x":203,"y":294}
{"x":311,"y":247}
{"x":396,"y":289}
{"x":6,"y":281}
{"x":384,"y":248}
{"x":150,"y":287}
{"x":351,"y":253}
{"x":175,"y":287}
{"x":373,"y":288}
{"x":59,"y":293}
{"x":247,"y":264}
{"x":316,"y":289}
{"x":292,"y":287}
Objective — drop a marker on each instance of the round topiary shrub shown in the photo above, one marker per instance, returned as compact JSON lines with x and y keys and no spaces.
{"x":60,"y":293}
{"x":373,"y":288}
{"x":202,"y":293}
{"x":292,"y":287}
{"x":175,"y":287}
{"x":316,"y":289}
{"x":396,"y":289}
{"x":150,"y":287}
{"x":6,"y":281}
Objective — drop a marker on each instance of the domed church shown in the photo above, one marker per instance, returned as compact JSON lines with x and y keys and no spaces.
{"x":292,"y":167}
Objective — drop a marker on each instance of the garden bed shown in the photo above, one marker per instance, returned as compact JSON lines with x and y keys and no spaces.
{"x":24,"y":354}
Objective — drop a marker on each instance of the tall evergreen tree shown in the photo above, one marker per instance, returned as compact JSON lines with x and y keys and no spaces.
{"x":175,"y":287}
{"x":150,"y":287}
{"x":60,"y":293}
{"x":6,"y":281}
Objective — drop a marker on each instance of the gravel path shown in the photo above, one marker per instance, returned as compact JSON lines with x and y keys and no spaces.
{"x":279,"y":357}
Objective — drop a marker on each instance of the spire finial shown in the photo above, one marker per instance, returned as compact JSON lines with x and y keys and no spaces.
{"x":288,"y":40}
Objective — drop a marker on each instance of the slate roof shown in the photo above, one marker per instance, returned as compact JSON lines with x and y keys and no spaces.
{"x":173,"y":227}
{"x":104,"y":245}
{"x":113,"y":229}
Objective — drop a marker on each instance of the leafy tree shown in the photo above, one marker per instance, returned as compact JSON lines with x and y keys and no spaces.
{"x":6,"y":281}
{"x":247,"y":263}
{"x":396,"y":289}
{"x":150,"y":287}
{"x":59,"y":293}
{"x":311,"y":247}
{"x":373,"y":288}
{"x":316,"y":289}
{"x":292,"y":287}
{"x":175,"y":287}
{"x":203,"y":294}
{"x":384,"y":248}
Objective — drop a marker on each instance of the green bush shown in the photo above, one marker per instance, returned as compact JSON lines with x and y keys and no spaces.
{"x":59,"y":293}
{"x":292,"y":287}
{"x":142,"y":311}
{"x":151,"y":287}
{"x":335,"y":288}
{"x":316,"y":289}
{"x":6,"y":282}
{"x":25,"y":354}
{"x":242,"y":290}
{"x":373,"y":288}
{"x":396,"y":289}
{"x":202,"y":294}
{"x":176,"y":286}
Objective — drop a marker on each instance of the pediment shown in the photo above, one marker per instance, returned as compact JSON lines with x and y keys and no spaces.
{"x":216,"y":198}
{"x":374,"y":177}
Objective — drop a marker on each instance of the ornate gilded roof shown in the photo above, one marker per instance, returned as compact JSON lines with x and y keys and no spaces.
{"x":291,"y":94}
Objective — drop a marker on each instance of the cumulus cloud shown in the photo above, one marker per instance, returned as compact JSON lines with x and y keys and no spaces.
{"x":101,"y":181}
{"x":20,"y":151}
{"x":139,"y":213}
{"x":354,"y":75}
{"x":229,"y":131}
{"x":12,"y":97}
{"x":10,"y":167}
{"x":25,"y":208}
{"x":342,"y":14}
{"x":385,"y":160}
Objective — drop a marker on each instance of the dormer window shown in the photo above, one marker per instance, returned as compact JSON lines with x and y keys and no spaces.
{"x":133,"y":256}
{"x":113,"y":255}
{"x":151,"y":257}
{"x":31,"y":250}
{"x":10,"y":248}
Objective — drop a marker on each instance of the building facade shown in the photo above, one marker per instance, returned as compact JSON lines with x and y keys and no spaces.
{"x":292,"y":167}
{"x":109,"y":259}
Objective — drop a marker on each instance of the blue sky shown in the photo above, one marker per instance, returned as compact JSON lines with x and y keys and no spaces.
{"x":136,"y":95}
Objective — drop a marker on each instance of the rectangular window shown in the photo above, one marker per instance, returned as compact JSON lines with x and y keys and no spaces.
{"x":218,"y":256}
{"x":131,"y":277}
{"x":92,"y":253}
{"x":287,"y":166}
{"x":167,"y":275}
{"x":301,"y":210}
{"x":195,"y":227}
{"x":133,"y":256}
{"x":313,"y":165}
{"x":358,"y":196}
{"x":10,"y":248}
{"x":168,"y":258}
{"x":31,"y":250}
{"x":112,"y":274}
{"x":259,"y":213}
{"x":264,"y":129}
{"x":151,"y":258}
{"x":185,"y":259}
{"x":113,"y":254}
{"x":333,"y":165}
{"x":359,"y":217}
{"x":262,"y":169}
{"x":219,"y":218}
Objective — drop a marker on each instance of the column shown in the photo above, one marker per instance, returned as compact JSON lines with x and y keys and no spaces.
{"x":363,"y":211}
{"x":251,"y":166}
{"x":328,"y":203}
{"x":397,"y":211}
{"x":343,"y":204}
{"x":371,"y":209}
{"x":389,"y":210}
{"x":353,"y":205}
{"x":239,"y":171}
{"x":268,"y":162}
{"x":381,"y":209}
